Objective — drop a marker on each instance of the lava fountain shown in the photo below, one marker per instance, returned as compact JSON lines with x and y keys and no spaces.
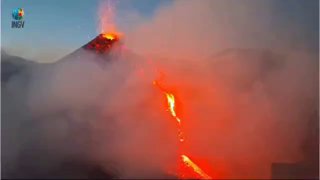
{"x":109,"y":33}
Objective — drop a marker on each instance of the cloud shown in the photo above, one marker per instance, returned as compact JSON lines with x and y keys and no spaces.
{"x":242,"y":108}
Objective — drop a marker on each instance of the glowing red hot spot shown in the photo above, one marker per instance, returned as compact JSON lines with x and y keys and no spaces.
{"x":186,"y":161}
{"x":103,"y":43}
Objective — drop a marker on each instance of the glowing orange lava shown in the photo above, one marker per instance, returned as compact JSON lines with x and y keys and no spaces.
{"x":186,"y":161}
{"x":111,"y":36}
{"x":107,"y":25}
{"x":171,"y":104}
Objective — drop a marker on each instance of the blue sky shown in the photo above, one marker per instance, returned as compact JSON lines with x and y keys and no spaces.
{"x":64,"y":25}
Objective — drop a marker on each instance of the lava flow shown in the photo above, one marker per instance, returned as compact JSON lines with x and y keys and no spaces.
{"x":186,"y":161}
{"x":104,"y":43}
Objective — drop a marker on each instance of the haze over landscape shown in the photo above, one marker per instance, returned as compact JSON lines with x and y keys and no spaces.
{"x":244,"y":74}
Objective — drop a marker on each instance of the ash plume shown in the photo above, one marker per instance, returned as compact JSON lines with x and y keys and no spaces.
{"x":248,"y":98}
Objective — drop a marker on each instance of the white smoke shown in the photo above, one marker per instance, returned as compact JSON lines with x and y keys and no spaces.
{"x":243,"y":109}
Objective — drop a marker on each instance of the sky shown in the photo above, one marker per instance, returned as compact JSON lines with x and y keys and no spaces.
{"x":54,"y":28}
{"x":61,"y":25}
{"x":251,"y":95}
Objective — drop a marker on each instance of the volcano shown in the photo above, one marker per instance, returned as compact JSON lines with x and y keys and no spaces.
{"x":103,"y":48}
{"x":102,"y":43}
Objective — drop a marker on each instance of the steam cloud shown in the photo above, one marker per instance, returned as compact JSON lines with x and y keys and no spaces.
{"x":246,"y":97}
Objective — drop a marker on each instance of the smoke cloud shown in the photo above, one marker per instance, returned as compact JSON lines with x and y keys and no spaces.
{"x":246,"y":98}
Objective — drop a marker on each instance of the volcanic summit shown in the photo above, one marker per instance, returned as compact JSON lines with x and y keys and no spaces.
{"x":103,"y":48}
{"x":103,"y":42}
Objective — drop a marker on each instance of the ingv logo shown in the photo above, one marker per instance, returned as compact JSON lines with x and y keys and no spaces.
{"x":17,"y":15}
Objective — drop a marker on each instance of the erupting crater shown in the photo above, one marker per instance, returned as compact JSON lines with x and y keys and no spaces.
{"x":103,"y":42}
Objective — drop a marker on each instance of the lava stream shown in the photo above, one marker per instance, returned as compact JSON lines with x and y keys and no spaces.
{"x":185,"y":159}
{"x":171,"y":103}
